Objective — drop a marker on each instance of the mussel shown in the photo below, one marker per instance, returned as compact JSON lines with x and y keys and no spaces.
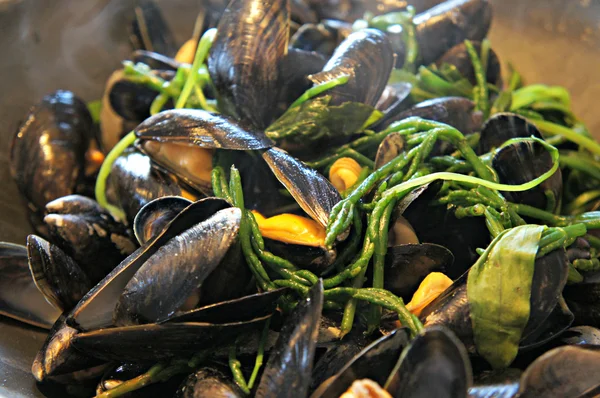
{"x":459,"y":58}
{"x":47,"y":155}
{"x":149,"y":30}
{"x":208,"y":382}
{"x":502,"y":127}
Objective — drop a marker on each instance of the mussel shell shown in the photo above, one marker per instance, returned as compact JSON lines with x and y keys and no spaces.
{"x":151,"y":342}
{"x":155,"y":60}
{"x":457,"y":112}
{"x":47,"y":155}
{"x":450,"y":23}
{"x":88,"y":234}
{"x":435,"y":364}
{"x":314,"y":259}
{"x":56,"y":275}
{"x":96,"y":308}
{"x":581,"y":335}
{"x":295,"y":68}
{"x":583,"y":300}
{"x":395,"y":98}
{"x":208,"y":382}
{"x":502,"y":127}
{"x":391,"y":146}
{"x":407,"y":265}
{"x":252,"y":38}
{"x":375,"y":362}
{"x":112,"y":126}
{"x":522,"y":162}
{"x":288,"y":369}
{"x":313,"y":192}
{"x":155,"y":215}
{"x":237,"y":310}
{"x":559,"y":320}
{"x":58,"y":356}
{"x":117,"y":374}
{"x":131,"y":100}
{"x":459,"y":57}
{"x":494,"y":391}
{"x":563,"y":372}
{"x":323,"y":37}
{"x":19,"y":297}
{"x":136,"y":182}
{"x":366,"y":57}
{"x":178,"y":268}
{"x":149,"y":30}
{"x":351,"y":10}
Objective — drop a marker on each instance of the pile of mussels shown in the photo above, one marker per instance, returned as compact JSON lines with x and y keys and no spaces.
{"x":346,"y":190}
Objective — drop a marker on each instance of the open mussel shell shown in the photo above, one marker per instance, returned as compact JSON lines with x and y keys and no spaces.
{"x":288,"y":370}
{"x":457,"y":112}
{"x":56,"y":275}
{"x":313,"y":192}
{"x":502,"y":127}
{"x":407,"y":265}
{"x":294,"y":70}
{"x":583,"y":300}
{"x":47,"y":154}
{"x":149,"y":30}
{"x":520,"y":162}
{"x":154,"y":216}
{"x":135,"y":183}
{"x":237,"y":310}
{"x":394,"y":99}
{"x":252,"y":39}
{"x":20,"y":298}
{"x":375,"y":362}
{"x":581,"y":335}
{"x":323,"y":37}
{"x":450,"y":23}
{"x":152,"y":341}
{"x":367,"y":58}
{"x":459,"y":58}
{"x":435,"y":364}
{"x":179,"y":267}
{"x":58,"y":356}
{"x":88,"y":234}
{"x":569,"y":372}
{"x":559,"y":320}
{"x":391,"y":146}
{"x":95,"y":310}
{"x":439,"y":225}
{"x":452,"y":310}
{"x":208,"y":382}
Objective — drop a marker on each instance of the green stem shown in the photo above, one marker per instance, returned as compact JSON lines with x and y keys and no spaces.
{"x":236,"y":370}
{"x":100,"y":189}
{"x":481,"y":90}
{"x":320,"y":88}
{"x":553,"y":129}
{"x":260,"y":354}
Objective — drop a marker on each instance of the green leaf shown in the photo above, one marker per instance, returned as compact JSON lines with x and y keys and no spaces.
{"x":499,"y":290}
{"x":95,"y":107}
{"x":528,"y":95}
{"x":315,"y":119}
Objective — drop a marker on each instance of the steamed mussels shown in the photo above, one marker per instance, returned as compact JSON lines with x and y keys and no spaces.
{"x":311,"y":199}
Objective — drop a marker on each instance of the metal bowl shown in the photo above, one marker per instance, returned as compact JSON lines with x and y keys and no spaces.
{"x":75,"y":45}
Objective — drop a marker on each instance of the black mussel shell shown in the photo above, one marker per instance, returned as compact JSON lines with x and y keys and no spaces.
{"x":112,"y":126}
{"x":47,"y":154}
{"x":252,"y":39}
{"x":58,"y":356}
{"x":366,"y":57}
{"x":459,"y":57}
{"x":288,"y":369}
{"x":208,"y":383}
{"x":521,"y":162}
{"x":131,"y":100}
{"x":435,"y":364}
{"x":563,"y":372}
{"x":450,"y":23}
{"x":313,"y":192}
{"x":583,"y":300}
{"x":312,"y":258}
{"x":95,"y":310}
{"x":455,"y":111}
{"x":407,"y":265}
{"x":137,"y":183}
{"x":451,"y":308}
{"x":56,"y":275}
{"x":323,"y":37}
{"x":19,"y":296}
{"x":88,"y":234}
{"x":351,"y":10}
{"x":439,"y":225}
{"x":581,"y":335}
{"x":391,"y":146}
{"x":155,"y":60}
{"x":149,"y":30}
{"x":154,"y":216}
{"x":502,"y":127}
{"x":394,"y":99}
{"x":551,"y":328}
{"x":295,"y":68}
{"x":179,"y":267}
{"x":237,"y":310}
{"x":150,"y":342}
{"x":502,"y":383}
{"x":375,"y":362}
